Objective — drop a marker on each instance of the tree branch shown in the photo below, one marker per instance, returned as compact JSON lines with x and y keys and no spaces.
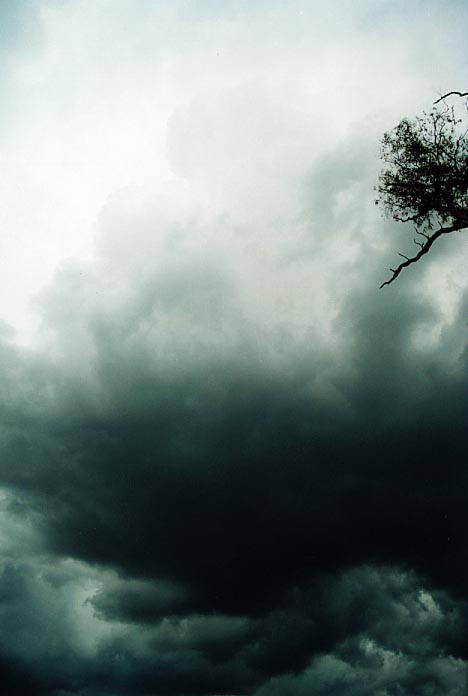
{"x":459,"y":94}
{"x":424,"y":249}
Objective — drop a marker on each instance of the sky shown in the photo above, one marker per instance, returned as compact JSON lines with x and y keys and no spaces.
{"x":230,"y":464}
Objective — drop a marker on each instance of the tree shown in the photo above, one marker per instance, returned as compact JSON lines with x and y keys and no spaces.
{"x":426,"y":178}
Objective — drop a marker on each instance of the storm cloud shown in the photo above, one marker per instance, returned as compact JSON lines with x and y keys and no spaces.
{"x":229,"y":463}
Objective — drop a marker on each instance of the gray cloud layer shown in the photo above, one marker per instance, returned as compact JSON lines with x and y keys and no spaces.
{"x":229,"y":464}
{"x":229,"y":470}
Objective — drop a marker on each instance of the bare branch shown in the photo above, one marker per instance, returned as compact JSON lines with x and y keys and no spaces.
{"x":423,"y":234}
{"x":409,"y":218}
{"x":424,"y":249}
{"x":459,"y":94}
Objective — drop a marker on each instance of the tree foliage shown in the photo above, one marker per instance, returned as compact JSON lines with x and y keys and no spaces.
{"x":425,"y":180}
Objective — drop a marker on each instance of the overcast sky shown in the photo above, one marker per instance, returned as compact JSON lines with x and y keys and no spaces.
{"x":230,"y":464}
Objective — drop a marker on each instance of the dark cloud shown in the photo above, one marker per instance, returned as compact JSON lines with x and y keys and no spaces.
{"x":217,"y":493}
{"x":230,"y":489}
{"x":242,"y":468}
{"x":138,"y":600}
{"x":375,"y":626}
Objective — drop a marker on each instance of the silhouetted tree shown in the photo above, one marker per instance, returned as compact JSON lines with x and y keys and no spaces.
{"x":426,"y":178}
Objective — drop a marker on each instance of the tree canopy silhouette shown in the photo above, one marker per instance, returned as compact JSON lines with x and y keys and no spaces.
{"x":425,"y":180}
